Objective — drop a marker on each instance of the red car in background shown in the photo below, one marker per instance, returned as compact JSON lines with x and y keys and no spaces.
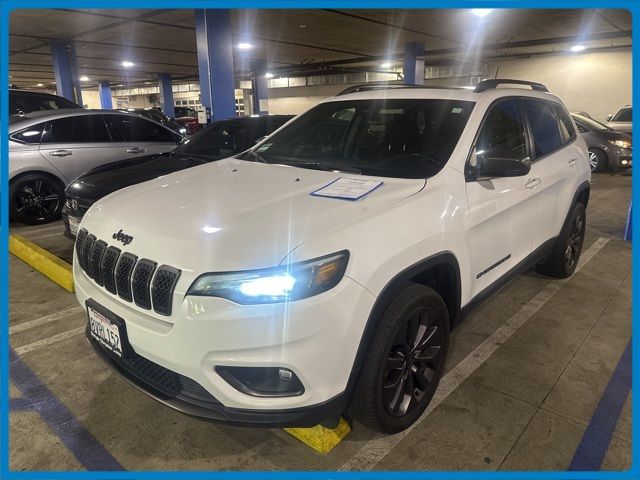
{"x":188,"y":117}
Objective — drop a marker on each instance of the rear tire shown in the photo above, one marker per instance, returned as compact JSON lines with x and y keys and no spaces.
{"x":35,"y":198}
{"x":562,"y":261}
{"x":405,"y":361}
{"x":597,"y":160}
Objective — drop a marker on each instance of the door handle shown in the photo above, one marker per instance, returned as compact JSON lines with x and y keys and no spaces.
{"x":572,"y":162}
{"x":61,"y":153}
{"x":135,"y":150}
{"x":533,"y":182}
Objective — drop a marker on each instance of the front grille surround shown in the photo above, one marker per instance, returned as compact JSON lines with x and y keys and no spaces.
{"x":122,"y":274}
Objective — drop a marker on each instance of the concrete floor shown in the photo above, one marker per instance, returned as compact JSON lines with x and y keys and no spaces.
{"x":515,"y":403}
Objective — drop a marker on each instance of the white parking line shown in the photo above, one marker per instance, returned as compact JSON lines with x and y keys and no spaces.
{"x":48,"y":341}
{"x":376,"y":449}
{"x":21,"y":327}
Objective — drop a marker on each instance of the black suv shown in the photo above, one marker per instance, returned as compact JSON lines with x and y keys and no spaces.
{"x":221,"y":139}
{"x":24,"y":101}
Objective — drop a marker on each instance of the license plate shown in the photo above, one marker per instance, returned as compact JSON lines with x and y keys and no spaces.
{"x":105,"y":331}
{"x":74,"y":223}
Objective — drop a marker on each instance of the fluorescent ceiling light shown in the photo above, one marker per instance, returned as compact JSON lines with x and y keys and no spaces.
{"x":268,"y":75}
{"x":84,"y":78}
{"x":578,"y":48}
{"x":481,"y":12}
{"x":127,"y":64}
{"x":386,"y":65}
{"x":39,"y":85}
{"x":245,"y":46}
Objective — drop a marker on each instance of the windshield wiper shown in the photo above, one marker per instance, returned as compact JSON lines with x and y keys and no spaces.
{"x":326,"y":167}
{"x":256,"y":156}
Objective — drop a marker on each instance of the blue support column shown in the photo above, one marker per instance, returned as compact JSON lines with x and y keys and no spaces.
{"x":413,"y":68}
{"x":166,"y":94}
{"x":104,"y":91}
{"x":260,"y":85}
{"x":215,"y":63}
{"x":65,"y":69}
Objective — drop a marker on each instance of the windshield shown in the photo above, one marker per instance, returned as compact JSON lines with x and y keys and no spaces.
{"x":623,"y":115}
{"x":401,"y":138}
{"x":590,"y":123}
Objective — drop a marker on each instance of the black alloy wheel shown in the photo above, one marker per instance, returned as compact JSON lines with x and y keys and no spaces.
{"x":405,"y":360}
{"x":35,"y":199}
{"x":412,"y":363}
{"x":574,"y":242}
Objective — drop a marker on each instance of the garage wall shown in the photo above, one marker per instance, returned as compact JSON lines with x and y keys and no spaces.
{"x":296,"y":100}
{"x":597,"y":83}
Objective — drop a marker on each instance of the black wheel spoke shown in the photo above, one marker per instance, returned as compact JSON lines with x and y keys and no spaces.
{"x":50,"y":198}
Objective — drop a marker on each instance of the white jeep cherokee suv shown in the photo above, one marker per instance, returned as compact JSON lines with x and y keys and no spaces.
{"x":321,"y":271}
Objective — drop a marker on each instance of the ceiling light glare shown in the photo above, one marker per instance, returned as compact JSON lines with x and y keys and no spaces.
{"x":578,"y":48}
{"x":245,"y":46}
{"x":127,"y":64}
{"x":481,"y":12}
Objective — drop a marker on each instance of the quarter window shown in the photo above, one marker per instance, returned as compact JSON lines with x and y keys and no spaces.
{"x":566,"y":126}
{"x":77,"y":129}
{"x":544,"y":127}
{"x":30,"y":135}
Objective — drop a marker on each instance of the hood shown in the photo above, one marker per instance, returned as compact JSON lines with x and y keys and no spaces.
{"x":233,"y":214}
{"x":620,"y":126}
{"x":613,"y":135}
{"x":108,"y":178}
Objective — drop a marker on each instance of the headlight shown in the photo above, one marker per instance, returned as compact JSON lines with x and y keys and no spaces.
{"x":274,"y":285}
{"x":621,"y":143}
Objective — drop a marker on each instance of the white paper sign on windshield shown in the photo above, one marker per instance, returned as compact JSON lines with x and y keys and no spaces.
{"x":348,"y":188}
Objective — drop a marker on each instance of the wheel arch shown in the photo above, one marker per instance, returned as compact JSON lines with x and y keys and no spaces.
{"x":440,"y":272}
{"x":46,"y":173}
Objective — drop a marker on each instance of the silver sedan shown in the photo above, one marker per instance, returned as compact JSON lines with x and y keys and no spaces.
{"x":48,"y":149}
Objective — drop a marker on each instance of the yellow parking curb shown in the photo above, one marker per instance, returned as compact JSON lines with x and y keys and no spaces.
{"x":319,"y":438}
{"x":45,"y":262}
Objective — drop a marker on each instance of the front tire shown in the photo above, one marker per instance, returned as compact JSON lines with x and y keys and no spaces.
{"x":564,"y":257}
{"x":597,"y":160}
{"x":35,"y":199}
{"x":405,"y":361}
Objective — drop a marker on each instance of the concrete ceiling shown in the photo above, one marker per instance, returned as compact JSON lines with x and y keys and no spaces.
{"x":293,"y":41}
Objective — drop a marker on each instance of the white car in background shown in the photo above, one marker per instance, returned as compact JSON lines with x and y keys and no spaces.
{"x":48,"y":149}
{"x":322,"y":270}
{"x":622,"y":120}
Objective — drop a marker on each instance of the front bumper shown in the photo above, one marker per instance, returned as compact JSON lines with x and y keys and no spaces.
{"x":621,"y":158}
{"x":66,"y":213}
{"x":316,"y":338}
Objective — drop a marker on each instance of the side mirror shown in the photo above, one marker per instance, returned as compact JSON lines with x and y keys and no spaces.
{"x":609,"y":117}
{"x":484,"y":165}
{"x":258,"y":140}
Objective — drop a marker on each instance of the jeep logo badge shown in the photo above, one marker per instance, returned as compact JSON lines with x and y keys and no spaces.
{"x":124,"y":238}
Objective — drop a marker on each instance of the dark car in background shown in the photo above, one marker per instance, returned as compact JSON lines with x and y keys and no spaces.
{"x":25,"y":101}
{"x":158,"y":116}
{"x":608,"y":148}
{"x":188,"y":118}
{"x":219,"y":140}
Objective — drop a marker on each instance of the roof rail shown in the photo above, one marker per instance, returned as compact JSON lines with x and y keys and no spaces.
{"x":364,"y":87}
{"x":494,"y":82}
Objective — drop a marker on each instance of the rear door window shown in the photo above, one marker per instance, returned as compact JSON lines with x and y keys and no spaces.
{"x":131,"y":128}
{"x":566,"y":126}
{"x":544,"y":126}
{"x":77,"y":129}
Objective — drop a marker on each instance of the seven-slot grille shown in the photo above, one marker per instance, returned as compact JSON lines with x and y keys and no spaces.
{"x":124,"y":275}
